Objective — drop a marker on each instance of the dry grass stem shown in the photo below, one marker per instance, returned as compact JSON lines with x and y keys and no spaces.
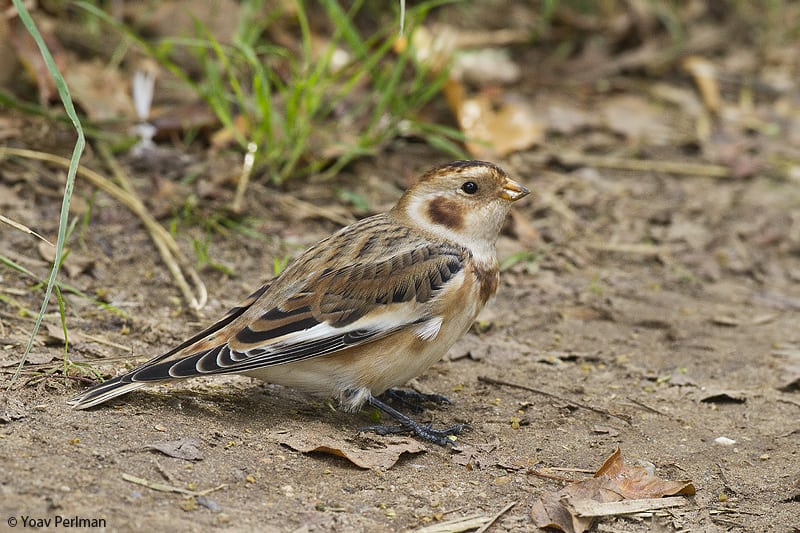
{"x":166,"y":245}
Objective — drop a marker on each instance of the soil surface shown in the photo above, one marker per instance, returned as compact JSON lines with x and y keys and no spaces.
{"x":647,"y":307}
{"x":658,"y":313}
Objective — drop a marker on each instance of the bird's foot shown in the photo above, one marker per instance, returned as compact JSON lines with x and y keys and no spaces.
{"x":442,"y":437}
{"x":413,"y":399}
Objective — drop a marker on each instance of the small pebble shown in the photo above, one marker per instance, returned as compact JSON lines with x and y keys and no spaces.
{"x":209,"y":504}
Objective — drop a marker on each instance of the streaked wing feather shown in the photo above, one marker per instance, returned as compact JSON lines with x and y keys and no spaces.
{"x":315,"y":311}
{"x":328,"y":314}
{"x":222,"y":360}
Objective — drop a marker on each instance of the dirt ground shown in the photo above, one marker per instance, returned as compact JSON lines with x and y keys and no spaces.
{"x":670,"y":347}
{"x":651,"y":309}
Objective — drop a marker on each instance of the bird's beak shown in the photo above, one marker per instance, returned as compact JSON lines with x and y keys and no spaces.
{"x":513,"y":191}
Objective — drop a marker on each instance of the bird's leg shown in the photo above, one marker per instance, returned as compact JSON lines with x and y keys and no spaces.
{"x":407,"y":424}
{"x":413,"y":399}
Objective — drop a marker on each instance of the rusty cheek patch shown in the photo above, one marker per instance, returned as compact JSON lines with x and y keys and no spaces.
{"x":445,"y":213}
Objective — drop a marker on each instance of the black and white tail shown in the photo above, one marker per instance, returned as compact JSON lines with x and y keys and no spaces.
{"x":104,"y":392}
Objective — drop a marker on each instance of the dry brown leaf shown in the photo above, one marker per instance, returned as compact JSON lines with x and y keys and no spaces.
{"x":74,"y":265}
{"x":42,"y":357}
{"x":548,"y":511}
{"x":28,"y":55}
{"x":567,"y":118}
{"x":9,"y":66}
{"x":791,"y":379}
{"x":705,"y":76}
{"x":723,"y":397}
{"x":495,"y":125}
{"x":175,"y":120}
{"x":54,"y":335}
{"x":11,"y":408}
{"x":636,"y":119}
{"x":437,"y":46}
{"x":614,"y":481}
{"x":485,"y":66}
{"x":636,"y":482}
{"x":187,"y":449}
{"x":103,"y":93}
{"x":384,"y":457}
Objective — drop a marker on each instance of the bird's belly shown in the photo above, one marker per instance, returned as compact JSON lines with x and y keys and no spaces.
{"x":374,"y":366}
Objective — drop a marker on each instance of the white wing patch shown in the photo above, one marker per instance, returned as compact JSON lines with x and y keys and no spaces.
{"x":429,"y":329}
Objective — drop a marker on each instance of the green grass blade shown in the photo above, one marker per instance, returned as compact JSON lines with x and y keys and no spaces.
{"x":80,"y":144}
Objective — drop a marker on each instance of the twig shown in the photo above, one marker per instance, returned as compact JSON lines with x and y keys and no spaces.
{"x":307,"y":209}
{"x":101,"y":340}
{"x":648,"y":408}
{"x":163,"y":487}
{"x":592,"y":509}
{"x":455,"y":526}
{"x":164,"y":242}
{"x":496,"y":517}
{"x":641,"y":165}
{"x":571,"y":469}
{"x":545,"y":475}
{"x":724,"y":478}
{"x":244,"y":178}
{"x":23,"y":228}
{"x":628,"y":248}
{"x":789,"y":401}
{"x":493,"y":381}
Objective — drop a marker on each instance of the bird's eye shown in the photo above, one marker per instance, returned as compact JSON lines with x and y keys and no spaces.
{"x":470,"y":187}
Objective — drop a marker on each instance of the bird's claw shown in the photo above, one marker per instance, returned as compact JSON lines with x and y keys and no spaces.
{"x":442,"y":437}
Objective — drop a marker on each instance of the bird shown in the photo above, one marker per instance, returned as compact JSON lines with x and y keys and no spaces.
{"x":364,"y":310}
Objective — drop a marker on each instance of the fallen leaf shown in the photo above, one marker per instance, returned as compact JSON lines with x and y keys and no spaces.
{"x":614,"y":482}
{"x":104,"y":93}
{"x":11,"y":408}
{"x":187,"y":449}
{"x":9,"y":66}
{"x":177,"y":119}
{"x":54,"y":334}
{"x":28,"y":55}
{"x":74,"y":264}
{"x":705,"y":76}
{"x":436,"y":47}
{"x":485,"y":67}
{"x":605,"y":430}
{"x":384,"y":457}
{"x":568,"y":119}
{"x":465,"y":457}
{"x":636,"y":119}
{"x":634,"y":482}
{"x":41,"y":358}
{"x":723,"y":397}
{"x":591,"y":509}
{"x":791,"y":384}
{"x":727,"y":321}
{"x":549,"y":512}
{"x":495,"y":124}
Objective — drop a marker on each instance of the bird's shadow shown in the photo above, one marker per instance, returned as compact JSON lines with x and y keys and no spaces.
{"x":241,"y":405}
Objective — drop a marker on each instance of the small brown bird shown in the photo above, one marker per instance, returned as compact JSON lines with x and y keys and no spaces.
{"x":364,"y":310}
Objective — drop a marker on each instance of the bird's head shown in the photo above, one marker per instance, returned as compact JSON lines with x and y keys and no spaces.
{"x":463,"y":201}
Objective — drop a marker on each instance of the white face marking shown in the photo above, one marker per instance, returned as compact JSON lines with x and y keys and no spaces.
{"x":480,"y":231}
